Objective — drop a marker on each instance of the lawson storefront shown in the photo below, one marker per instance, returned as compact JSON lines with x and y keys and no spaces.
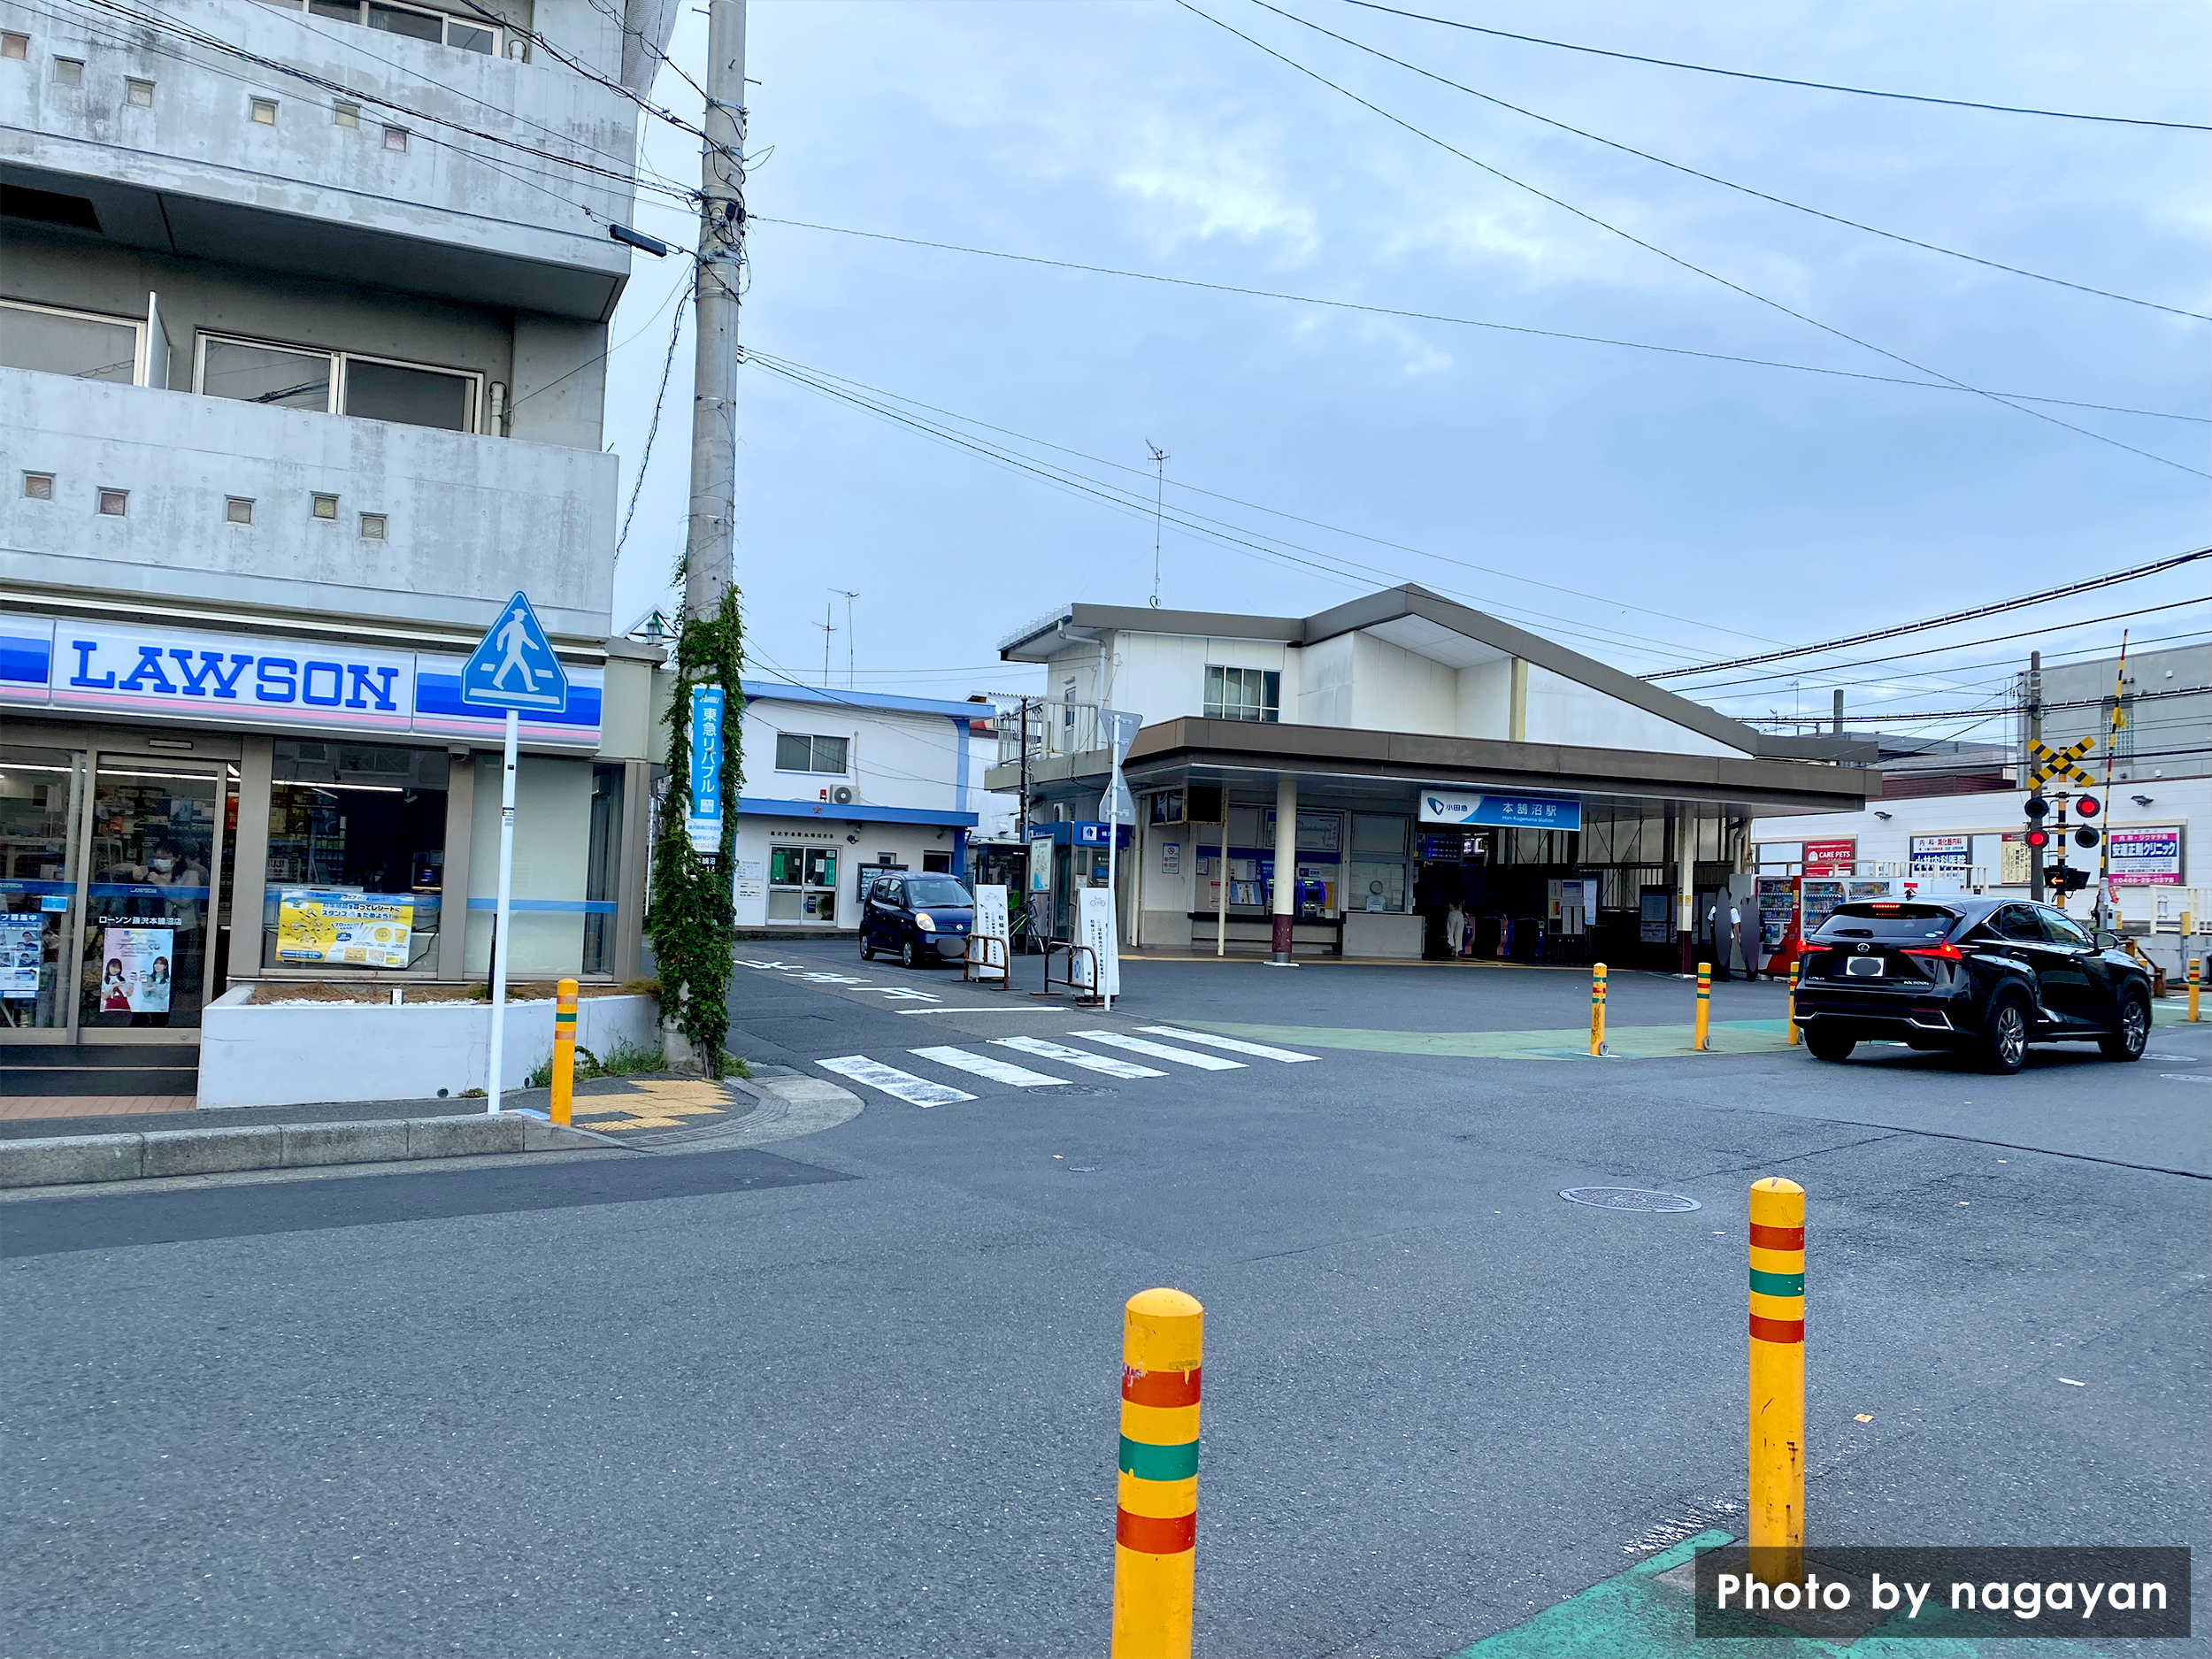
{"x":185,"y":807}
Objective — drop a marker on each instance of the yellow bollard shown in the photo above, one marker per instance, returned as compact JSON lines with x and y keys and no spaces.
{"x":2196,"y":974}
{"x":1777,"y":1532}
{"x":1789,"y":1010}
{"x":1155,"y":1520}
{"x":1597,"y":1010}
{"x":1704,"y":1005}
{"x":563,"y":1050}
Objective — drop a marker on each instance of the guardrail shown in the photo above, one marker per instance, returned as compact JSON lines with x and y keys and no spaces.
{"x":970,"y":965}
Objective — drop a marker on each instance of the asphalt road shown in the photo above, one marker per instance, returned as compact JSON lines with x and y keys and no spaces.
{"x":858,"y":1395}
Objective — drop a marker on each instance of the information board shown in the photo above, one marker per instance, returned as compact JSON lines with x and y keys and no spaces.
{"x":355,"y":929}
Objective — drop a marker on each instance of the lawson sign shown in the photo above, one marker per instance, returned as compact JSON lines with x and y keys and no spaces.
{"x":1502,"y":812}
{"x":255,"y":681}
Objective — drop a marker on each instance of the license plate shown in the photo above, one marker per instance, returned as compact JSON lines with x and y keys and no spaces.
{"x":1864,"y":967}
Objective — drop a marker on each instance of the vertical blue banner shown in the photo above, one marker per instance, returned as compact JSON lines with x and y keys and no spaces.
{"x":704,"y":819}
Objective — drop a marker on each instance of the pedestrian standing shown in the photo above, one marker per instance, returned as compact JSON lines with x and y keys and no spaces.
{"x":1716,"y":930}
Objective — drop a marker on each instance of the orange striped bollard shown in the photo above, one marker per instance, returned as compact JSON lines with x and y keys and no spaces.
{"x":1156,"y":1517}
{"x":1777,"y":1529}
{"x":2196,"y":974}
{"x":1597,"y":1010}
{"x":1704,"y":1006}
{"x":563,"y":1050}
{"x":1789,"y":1010}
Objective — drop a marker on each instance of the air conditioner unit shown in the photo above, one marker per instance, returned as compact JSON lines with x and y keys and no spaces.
{"x":844,"y":795}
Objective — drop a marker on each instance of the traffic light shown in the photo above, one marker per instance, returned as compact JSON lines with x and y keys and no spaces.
{"x":2038,"y":806}
{"x":2038,"y":838}
{"x":2086,"y":806}
{"x":2084,"y":836}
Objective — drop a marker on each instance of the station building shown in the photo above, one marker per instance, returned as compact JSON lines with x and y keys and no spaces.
{"x":1343,"y":783}
{"x":296,"y":386}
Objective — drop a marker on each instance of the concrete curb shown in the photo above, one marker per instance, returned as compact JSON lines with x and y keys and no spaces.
{"x":68,"y":1160}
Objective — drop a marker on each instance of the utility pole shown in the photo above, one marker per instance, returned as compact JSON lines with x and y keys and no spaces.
{"x":710,"y":545}
{"x":1159,"y":499}
{"x":2033,"y":719}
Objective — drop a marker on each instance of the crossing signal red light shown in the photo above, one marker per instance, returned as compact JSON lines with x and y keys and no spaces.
{"x":2038,"y":838}
{"x":2086,"y":806}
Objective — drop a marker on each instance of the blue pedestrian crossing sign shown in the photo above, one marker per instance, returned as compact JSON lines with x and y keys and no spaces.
{"x":513,"y":665}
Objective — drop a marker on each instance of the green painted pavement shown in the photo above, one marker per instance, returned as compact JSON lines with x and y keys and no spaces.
{"x":1637,"y":1614}
{"x":1622,"y":1043}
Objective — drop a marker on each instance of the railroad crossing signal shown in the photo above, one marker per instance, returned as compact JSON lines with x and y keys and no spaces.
{"x":2059,"y":763}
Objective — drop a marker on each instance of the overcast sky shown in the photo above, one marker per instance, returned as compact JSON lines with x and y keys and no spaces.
{"x":1680,"y":510}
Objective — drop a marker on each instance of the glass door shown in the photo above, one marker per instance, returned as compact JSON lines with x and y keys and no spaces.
{"x":152,"y":847}
{"x":42,"y":794}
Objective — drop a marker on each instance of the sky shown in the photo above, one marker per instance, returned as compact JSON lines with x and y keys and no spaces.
{"x":1651,"y":508}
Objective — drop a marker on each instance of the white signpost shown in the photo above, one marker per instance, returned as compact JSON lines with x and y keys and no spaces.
{"x":990,"y":923}
{"x":1116,"y":808}
{"x":513,"y":668}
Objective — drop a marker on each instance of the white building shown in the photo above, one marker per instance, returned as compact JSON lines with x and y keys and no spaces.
{"x":840,"y":785}
{"x":1399,"y":755}
{"x":301,"y":373}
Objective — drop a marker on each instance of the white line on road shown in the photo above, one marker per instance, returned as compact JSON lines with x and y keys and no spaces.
{"x":1066,"y":1056}
{"x":899,"y":1085}
{"x":983,"y":1065}
{"x":1160,"y":1050}
{"x":996,"y":1008}
{"x":1235,"y":1045}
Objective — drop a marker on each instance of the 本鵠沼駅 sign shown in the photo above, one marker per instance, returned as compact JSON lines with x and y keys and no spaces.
{"x":1501,"y":812}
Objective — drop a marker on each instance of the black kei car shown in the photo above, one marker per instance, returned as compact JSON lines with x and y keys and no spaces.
{"x":916,"y":919}
{"x":1986,"y":976}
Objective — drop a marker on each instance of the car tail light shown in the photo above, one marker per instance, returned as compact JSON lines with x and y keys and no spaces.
{"x":1945,"y":952}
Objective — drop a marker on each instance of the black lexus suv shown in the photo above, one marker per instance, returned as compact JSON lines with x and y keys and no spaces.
{"x":1987,"y":976}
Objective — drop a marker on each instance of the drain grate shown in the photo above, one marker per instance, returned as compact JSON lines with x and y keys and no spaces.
{"x":1635,"y":1198}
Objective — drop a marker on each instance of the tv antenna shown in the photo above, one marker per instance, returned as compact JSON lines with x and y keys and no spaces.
{"x":851,"y":673}
{"x":1159,"y":494}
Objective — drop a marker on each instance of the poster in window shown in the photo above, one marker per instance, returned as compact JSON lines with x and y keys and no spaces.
{"x":19,"y":945}
{"x":346,"y":929}
{"x":135,"y":968}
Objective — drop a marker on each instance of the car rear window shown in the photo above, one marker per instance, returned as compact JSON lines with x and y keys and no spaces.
{"x":1901,"y":923}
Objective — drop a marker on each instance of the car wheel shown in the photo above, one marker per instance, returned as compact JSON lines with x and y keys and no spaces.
{"x":908,"y":957}
{"x":2005,"y":1036}
{"x":867,"y":950}
{"x":2134,"y":1034}
{"x":1829,"y":1045}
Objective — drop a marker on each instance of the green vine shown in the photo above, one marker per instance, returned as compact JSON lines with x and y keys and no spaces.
{"x":690,"y":922}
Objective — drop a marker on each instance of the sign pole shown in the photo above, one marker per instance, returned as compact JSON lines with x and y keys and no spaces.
{"x":1113,"y":893}
{"x":499,"y":919}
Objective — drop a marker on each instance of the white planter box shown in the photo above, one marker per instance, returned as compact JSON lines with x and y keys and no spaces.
{"x":310,"y":1053}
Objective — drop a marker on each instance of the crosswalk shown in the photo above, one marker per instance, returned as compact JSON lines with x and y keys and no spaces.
{"x":917,"y":1089}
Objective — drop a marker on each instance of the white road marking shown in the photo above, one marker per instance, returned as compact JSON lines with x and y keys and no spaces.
{"x":1066,"y":1056}
{"x":1235,"y":1045}
{"x":899,"y":1085}
{"x":1160,"y":1050}
{"x":995,"y":1008}
{"x":983,"y":1065}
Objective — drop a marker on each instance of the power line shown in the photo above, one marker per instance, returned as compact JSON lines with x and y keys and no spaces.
{"x":1729,"y":184}
{"x":2048,"y":595}
{"x":1952,"y":714}
{"x":1677,"y":259}
{"x":1129,"y":502}
{"x":1460,"y":322}
{"x":637,"y":484}
{"x":1784,"y":81}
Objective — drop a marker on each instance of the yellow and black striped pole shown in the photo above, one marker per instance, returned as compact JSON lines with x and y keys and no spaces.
{"x":1597,"y":1010}
{"x":2196,"y":974}
{"x":1156,"y":1515}
{"x":1789,"y":1010}
{"x":563,"y":1050}
{"x":1704,"y":1005}
{"x":1777,"y":1532}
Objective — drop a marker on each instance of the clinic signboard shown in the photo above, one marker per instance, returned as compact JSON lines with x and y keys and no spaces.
{"x":2145,"y":857}
{"x":1942,"y":854}
{"x":268,"y":681}
{"x":1500,"y":811}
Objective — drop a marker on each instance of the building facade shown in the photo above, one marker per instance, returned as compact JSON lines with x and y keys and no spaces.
{"x":300,"y":378}
{"x":1347,"y":782}
{"x":841,"y":785}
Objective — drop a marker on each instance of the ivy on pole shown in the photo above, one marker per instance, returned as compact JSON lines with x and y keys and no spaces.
{"x":690,"y":922}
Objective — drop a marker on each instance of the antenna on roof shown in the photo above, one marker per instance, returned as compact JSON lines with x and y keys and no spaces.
{"x":1159,"y":492}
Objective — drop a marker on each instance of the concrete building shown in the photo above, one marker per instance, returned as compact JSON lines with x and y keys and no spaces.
{"x":1396,"y":759}
{"x":841,"y":785}
{"x":2165,"y":704}
{"x":302,"y":314}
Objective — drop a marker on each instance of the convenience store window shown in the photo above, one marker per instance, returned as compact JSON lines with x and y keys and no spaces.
{"x":356,"y":857}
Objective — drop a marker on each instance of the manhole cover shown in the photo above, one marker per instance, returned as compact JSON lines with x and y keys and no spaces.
{"x":1071,"y":1089}
{"x":1628,"y":1198}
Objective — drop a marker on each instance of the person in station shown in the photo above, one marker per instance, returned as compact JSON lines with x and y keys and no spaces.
{"x":1724,"y":926}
